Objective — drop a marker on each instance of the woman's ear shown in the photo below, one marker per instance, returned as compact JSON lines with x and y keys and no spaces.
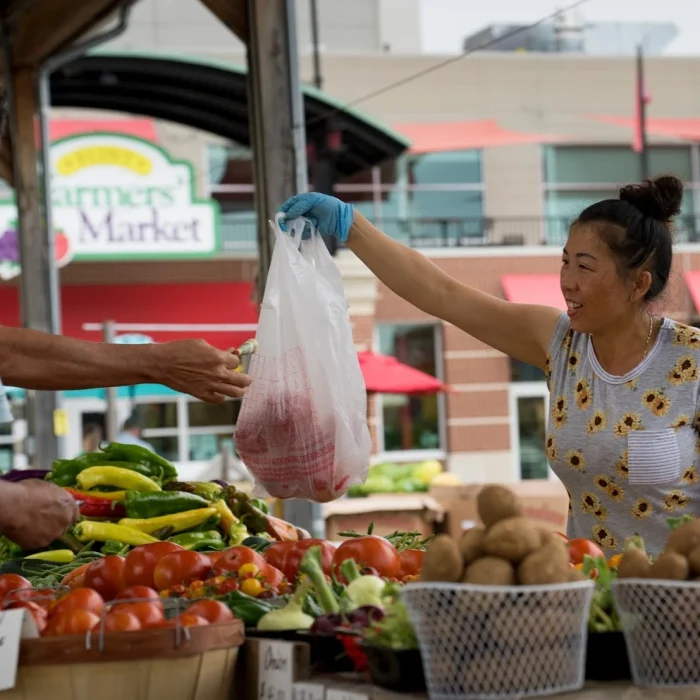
{"x":642,"y":284}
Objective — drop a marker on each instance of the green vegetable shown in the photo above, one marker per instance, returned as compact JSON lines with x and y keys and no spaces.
{"x":410,"y":485}
{"x":260,"y":505}
{"x":64,"y":472}
{"x":141,"y":455}
{"x":141,"y":504}
{"x":311,"y":566}
{"x":291,"y":616}
{"x":9,"y":550}
{"x":237,"y":533}
{"x":603,"y":615}
{"x":259,"y":544}
{"x":197,"y":541}
{"x":675,"y":523}
{"x":245,"y":608}
{"x":394,"y":630}
{"x":206,"y":489}
{"x":113,"y":547}
{"x":362,"y":590}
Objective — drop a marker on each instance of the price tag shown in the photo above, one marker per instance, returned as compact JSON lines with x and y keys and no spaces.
{"x":309,"y":691}
{"x":339,"y":694}
{"x":14,"y":625}
{"x":275,"y":670}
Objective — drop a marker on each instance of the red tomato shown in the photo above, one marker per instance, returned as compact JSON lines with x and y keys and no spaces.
{"x":139,"y":593}
{"x":79,"y":599}
{"x":73,"y":622}
{"x":294,"y":555}
{"x":578,"y":548}
{"x":18,"y":586}
{"x":411,"y":562}
{"x":233,"y":559}
{"x":141,"y":562}
{"x":148,"y":614}
{"x":188,"y":620}
{"x":274,"y":554}
{"x":211,"y":610}
{"x":369,"y":551}
{"x":121,"y":621}
{"x":106,"y":576}
{"x":35,"y":610}
{"x":180,"y":568}
{"x":214,"y":556}
{"x":273,"y":577}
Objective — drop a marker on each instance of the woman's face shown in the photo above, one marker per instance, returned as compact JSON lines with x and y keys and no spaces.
{"x":597,"y":297}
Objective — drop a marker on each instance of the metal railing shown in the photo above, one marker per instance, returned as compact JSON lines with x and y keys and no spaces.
{"x":239,"y":236}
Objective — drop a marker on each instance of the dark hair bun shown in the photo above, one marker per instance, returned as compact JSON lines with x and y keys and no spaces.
{"x":658,"y":199}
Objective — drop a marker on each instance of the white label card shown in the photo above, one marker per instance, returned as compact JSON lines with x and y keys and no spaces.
{"x":309,"y":691}
{"x":275,"y":670}
{"x":14,"y":625}
{"x":338,"y":694}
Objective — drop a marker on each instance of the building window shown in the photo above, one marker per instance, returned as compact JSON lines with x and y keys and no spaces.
{"x":577,"y":176}
{"x":529,"y":401}
{"x":412,"y":422}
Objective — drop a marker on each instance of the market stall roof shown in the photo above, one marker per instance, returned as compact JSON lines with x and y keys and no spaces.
{"x":384,"y":374}
{"x":210,"y":95}
{"x":692,"y":281}
{"x":534,"y":289}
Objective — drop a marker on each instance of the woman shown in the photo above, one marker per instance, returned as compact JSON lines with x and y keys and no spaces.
{"x":624,"y":384}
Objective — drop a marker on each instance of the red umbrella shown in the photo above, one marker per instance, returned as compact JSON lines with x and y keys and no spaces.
{"x":386,"y":375}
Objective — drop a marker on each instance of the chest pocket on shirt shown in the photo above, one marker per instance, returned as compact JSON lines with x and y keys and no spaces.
{"x":653,"y":457}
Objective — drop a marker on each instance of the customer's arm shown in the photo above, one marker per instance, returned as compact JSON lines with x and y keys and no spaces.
{"x":34,"y":360}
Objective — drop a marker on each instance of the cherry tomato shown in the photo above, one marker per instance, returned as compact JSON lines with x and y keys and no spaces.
{"x":233,"y":559}
{"x":148,"y":614}
{"x":294,"y":555}
{"x":141,"y":562}
{"x":580,"y":547}
{"x":411,"y":562}
{"x":79,"y":599}
{"x":139,"y":593}
{"x":369,"y":550}
{"x":211,"y":610}
{"x":35,"y":610}
{"x":17,"y":586}
{"x":180,"y":568}
{"x":106,"y":576}
{"x":73,"y":622}
{"x":121,"y":621}
{"x":274,"y":554}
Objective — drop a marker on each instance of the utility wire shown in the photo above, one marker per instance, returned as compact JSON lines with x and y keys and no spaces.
{"x":447,"y":62}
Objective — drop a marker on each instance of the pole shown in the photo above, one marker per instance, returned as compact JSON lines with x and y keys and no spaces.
{"x":111,"y":416}
{"x":642,"y":110}
{"x":318,"y":78}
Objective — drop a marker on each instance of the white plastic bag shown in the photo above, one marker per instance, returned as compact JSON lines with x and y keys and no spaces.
{"x":302,"y":430}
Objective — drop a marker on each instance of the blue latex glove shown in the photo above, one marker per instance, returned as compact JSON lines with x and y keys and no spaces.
{"x":331,"y":216}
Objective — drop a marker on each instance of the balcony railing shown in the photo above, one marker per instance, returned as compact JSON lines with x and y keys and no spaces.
{"x":239,"y":236}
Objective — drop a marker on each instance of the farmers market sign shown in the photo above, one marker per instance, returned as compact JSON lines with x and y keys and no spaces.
{"x":118,"y":197}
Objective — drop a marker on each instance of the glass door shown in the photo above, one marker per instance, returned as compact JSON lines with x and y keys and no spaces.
{"x":529,"y":406}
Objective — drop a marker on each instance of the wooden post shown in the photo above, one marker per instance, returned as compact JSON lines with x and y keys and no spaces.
{"x":37,"y":296}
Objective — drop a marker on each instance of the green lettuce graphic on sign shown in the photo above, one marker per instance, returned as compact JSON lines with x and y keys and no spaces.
{"x":9,"y":250}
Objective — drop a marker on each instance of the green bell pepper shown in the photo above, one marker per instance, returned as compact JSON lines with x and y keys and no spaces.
{"x":141,"y":504}
{"x":64,"y":472}
{"x":136,"y":453}
{"x":197,"y":541}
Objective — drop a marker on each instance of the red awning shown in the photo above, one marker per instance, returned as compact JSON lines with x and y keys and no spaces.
{"x":677,"y":128}
{"x":543,"y":290}
{"x":386,"y":375}
{"x":692,"y":281}
{"x":168,"y":307}
{"x":462,"y":136}
{"x":141,"y":128}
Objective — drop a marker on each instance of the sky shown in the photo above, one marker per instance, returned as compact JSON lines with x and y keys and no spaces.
{"x":445,"y":23}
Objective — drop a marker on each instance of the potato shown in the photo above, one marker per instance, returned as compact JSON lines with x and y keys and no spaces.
{"x":495,"y":503}
{"x":694,"y":561}
{"x":471,"y":544}
{"x":685,"y":538}
{"x":670,"y":566}
{"x":442,"y":561}
{"x":546,"y":565}
{"x":490,"y":571}
{"x":512,"y":539}
{"x":575,"y":575}
{"x":634,"y":564}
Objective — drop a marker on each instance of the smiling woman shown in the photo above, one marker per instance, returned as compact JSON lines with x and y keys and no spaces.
{"x":624,"y":385}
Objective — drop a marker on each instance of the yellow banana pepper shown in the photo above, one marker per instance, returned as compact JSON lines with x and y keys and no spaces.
{"x":60,"y":556}
{"x":117,"y":477}
{"x":89,"y":530}
{"x":227,"y":517}
{"x":178,"y":521}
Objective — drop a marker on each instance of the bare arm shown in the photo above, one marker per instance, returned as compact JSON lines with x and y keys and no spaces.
{"x":521,"y":331}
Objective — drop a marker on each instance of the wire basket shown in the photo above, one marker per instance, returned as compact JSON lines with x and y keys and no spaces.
{"x":487,"y":642}
{"x":661,"y":623}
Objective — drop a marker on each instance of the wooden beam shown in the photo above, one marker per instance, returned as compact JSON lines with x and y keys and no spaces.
{"x":233,"y":13}
{"x":49,"y":26}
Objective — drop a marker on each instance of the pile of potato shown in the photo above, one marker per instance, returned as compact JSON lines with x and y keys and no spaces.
{"x":508,"y":550}
{"x":680,"y":560}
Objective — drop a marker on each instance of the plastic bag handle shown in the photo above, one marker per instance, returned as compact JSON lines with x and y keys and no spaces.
{"x":298,"y":225}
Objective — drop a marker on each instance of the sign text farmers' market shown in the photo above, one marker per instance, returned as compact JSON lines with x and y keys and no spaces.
{"x":118,"y":196}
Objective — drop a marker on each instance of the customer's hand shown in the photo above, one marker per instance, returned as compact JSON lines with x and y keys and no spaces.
{"x":35,"y":513}
{"x":331,"y":216}
{"x":194,"y":367}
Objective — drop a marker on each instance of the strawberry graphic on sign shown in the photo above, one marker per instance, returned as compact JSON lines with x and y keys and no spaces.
{"x":9,"y":251}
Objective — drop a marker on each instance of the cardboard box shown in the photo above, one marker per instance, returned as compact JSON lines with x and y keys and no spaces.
{"x":389,"y":513}
{"x":545,"y":502}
